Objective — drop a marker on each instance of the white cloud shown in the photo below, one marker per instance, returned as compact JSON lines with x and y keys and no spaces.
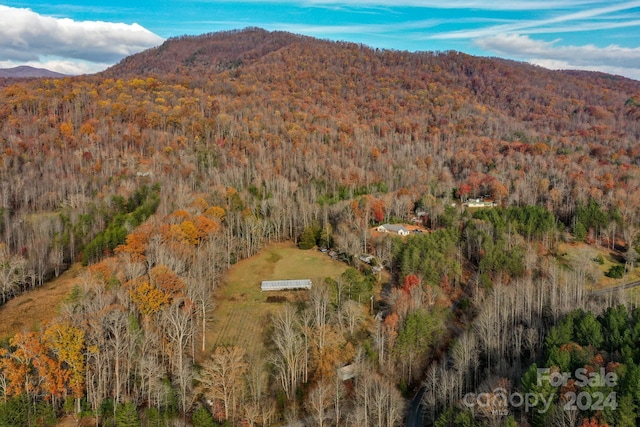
{"x":27,"y":37}
{"x":595,"y":18}
{"x":515,"y":5}
{"x":632,"y":73}
{"x":612,"y":59}
{"x":377,"y":29}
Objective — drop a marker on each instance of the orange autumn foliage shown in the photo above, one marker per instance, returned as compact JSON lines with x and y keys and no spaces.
{"x":205,"y":226}
{"x":148,"y":298}
{"x":166,"y":280}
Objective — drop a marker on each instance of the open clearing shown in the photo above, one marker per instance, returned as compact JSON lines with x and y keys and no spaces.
{"x":30,"y":310}
{"x":241,"y":308}
{"x":585,"y":254}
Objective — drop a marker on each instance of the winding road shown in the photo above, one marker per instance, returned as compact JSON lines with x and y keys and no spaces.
{"x":616,"y":288}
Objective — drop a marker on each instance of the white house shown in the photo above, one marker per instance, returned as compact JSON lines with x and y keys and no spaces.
{"x":479,"y":203}
{"x":400,"y":230}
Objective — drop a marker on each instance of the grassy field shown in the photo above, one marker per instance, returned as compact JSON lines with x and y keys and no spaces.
{"x":29,"y":311}
{"x":241,"y":308}
{"x":583,"y":253}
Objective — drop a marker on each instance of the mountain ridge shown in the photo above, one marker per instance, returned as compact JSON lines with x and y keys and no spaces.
{"x":227,"y":50}
{"x":494,"y":82}
{"x":215,"y":52}
{"x":26,"y":71}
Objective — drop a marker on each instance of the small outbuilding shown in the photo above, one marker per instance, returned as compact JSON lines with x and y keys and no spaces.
{"x":347,"y":372}
{"x":366,"y":258}
{"x":285,"y":285}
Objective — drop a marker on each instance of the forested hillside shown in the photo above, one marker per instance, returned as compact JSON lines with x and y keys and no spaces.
{"x":164,"y":170}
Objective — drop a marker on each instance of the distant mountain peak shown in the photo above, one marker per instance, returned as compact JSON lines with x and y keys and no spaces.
{"x":25,"y":71}
{"x":206,"y":53}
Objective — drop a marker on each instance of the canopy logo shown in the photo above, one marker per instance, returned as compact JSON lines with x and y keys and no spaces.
{"x":583,"y":378}
{"x":498,"y":401}
{"x":584,"y":400}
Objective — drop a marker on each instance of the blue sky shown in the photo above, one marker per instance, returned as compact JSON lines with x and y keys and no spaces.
{"x":83,"y":36}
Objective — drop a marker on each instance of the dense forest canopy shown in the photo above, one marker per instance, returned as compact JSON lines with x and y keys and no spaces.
{"x":164,"y":170}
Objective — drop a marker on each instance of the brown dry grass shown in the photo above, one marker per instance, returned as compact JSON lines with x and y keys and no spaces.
{"x":241,"y":308}
{"x":29,"y":311}
{"x":585,"y":253}
{"x":72,"y":421}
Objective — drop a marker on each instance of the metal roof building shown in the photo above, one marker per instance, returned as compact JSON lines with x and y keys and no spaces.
{"x":285,"y":285}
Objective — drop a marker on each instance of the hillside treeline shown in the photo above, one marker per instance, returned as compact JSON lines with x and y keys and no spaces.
{"x":175,"y":164}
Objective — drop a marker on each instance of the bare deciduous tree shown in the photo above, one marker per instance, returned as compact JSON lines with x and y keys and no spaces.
{"x":12,"y":273}
{"x":178,"y":325}
{"x":288,"y":358}
{"x":221,"y":378}
{"x":318,"y":401}
{"x":378,"y":402}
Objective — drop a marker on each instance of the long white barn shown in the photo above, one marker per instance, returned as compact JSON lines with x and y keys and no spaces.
{"x":285,"y":285}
